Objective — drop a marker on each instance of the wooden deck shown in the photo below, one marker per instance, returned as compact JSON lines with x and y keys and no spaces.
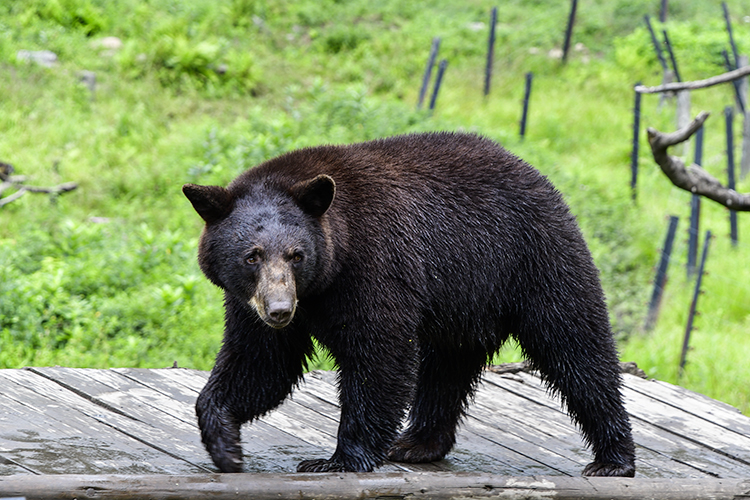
{"x":142,"y":422}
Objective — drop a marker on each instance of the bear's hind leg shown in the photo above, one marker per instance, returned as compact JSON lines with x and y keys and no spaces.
{"x":579,"y":362}
{"x":445,"y":382}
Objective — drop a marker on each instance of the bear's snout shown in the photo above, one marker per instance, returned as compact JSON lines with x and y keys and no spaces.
{"x":280,"y":312}
{"x":277,"y":311}
{"x":275,"y":297}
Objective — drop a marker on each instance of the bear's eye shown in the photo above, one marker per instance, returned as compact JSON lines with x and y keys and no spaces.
{"x":252,"y":258}
{"x":297,"y":258}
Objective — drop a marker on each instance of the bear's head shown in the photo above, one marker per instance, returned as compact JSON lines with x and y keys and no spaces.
{"x":264,"y":246}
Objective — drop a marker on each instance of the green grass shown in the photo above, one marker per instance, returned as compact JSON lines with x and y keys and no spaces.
{"x":107,"y":275}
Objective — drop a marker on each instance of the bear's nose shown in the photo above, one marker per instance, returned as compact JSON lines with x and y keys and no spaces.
{"x":280,"y":311}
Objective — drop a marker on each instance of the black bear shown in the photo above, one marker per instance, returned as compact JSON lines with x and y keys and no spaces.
{"x":412,"y":259}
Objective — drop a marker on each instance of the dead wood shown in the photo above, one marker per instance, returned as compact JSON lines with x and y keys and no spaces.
{"x":697,"y":84}
{"x":425,"y":486}
{"x":693,"y":178}
{"x":17,"y":182}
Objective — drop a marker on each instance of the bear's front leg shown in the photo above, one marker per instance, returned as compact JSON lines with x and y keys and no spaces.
{"x":374,"y":392}
{"x":255,"y":370}
{"x":220,"y":432}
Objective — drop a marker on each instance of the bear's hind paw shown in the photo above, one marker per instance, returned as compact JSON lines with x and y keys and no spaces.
{"x":403,"y":451}
{"x":609,"y":470}
{"x":320,"y":465}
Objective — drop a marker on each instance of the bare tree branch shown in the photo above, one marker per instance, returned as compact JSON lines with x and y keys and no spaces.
{"x":693,"y":178}
{"x":59,"y":189}
{"x":17,"y":181}
{"x":697,"y":84}
{"x":13,"y":197}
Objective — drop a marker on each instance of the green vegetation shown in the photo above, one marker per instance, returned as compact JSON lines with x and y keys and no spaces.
{"x":200,"y":90}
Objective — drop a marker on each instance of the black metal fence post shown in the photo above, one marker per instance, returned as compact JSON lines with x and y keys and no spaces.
{"x":694,"y":304}
{"x":428,"y":71}
{"x":663,"y":11}
{"x":668,"y":45}
{"x":728,"y":22}
{"x":735,"y":83}
{"x":636,"y":136}
{"x":438,"y":81}
{"x":490,"y":52}
{"x":655,"y":42}
{"x":526,"y":97}
{"x":695,"y":211}
{"x":729,"y":115}
{"x":661,"y":275}
{"x":569,"y":29}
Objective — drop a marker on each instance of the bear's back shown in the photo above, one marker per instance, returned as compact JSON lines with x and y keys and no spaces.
{"x":439,"y":164}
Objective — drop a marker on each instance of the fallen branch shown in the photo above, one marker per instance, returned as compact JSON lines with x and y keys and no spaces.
{"x":697,"y":84}
{"x":371,"y":485}
{"x":693,"y":178}
{"x":17,"y":181}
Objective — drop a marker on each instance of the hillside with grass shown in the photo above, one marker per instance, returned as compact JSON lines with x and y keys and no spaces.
{"x":142,"y":97}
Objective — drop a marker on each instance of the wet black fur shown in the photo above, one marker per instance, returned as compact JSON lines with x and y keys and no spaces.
{"x":435,"y":249}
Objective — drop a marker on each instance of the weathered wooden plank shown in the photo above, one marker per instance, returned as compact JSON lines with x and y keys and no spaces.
{"x":551,"y":437}
{"x":502,"y":449}
{"x":681,"y":452}
{"x":314,"y":431}
{"x":266,"y":448}
{"x":318,"y":396}
{"x":9,"y":467}
{"x":536,"y":460}
{"x":546,"y":425}
{"x":549,"y":432}
{"x":314,"y":423}
{"x":153,"y":411}
{"x":180,"y":383}
{"x":514,"y":426}
{"x":658,"y":453}
{"x":110,"y":389}
{"x":473,"y":451}
{"x":437,"y":486}
{"x":657,"y":438}
{"x":552,"y":428}
{"x":689,"y":427}
{"x":56,"y":431}
{"x":701,"y":406}
{"x":547,"y":415}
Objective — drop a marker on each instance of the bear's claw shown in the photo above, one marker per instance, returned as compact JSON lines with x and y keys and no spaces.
{"x":411,"y":450}
{"x":320,"y":465}
{"x":610,"y":470}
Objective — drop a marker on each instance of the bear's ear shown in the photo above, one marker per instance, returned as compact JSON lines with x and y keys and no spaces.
{"x":314,"y":196}
{"x":211,"y":202}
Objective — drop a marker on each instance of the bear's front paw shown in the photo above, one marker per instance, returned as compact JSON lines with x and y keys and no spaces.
{"x":228,"y":463}
{"x":403,"y":450}
{"x":610,"y":470}
{"x":225,"y":449}
{"x":320,"y":466}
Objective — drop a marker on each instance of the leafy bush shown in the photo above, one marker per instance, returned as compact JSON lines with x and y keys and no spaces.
{"x":80,"y":15}
{"x":318,"y":115}
{"x":181,"y":63}
{"x":101,"y":294}
{"x":343,"y":38}
{"x":697,"y":46}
